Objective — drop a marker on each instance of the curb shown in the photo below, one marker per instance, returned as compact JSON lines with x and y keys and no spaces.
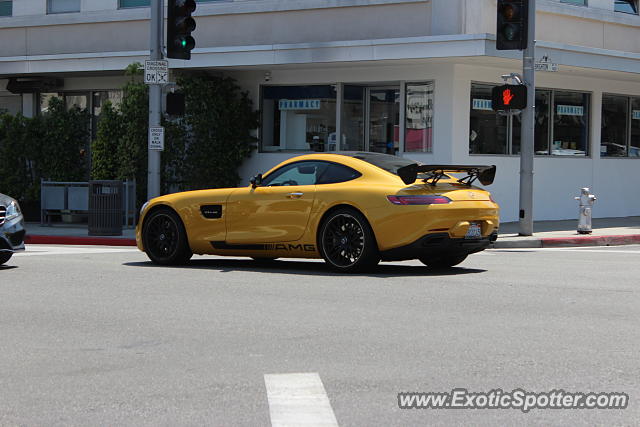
{"x":559,"y":242}
{"x":78,"y":240}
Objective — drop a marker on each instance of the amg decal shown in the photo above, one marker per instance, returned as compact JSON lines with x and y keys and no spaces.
{"x":265,"y":247}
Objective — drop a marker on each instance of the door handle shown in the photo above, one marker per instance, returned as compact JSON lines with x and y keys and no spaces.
{"x":295,"y":195}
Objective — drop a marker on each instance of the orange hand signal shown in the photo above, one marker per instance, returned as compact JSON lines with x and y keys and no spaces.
{"x":507,"y":96}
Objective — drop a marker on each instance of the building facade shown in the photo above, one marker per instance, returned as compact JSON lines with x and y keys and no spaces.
{"x":405,"y":77}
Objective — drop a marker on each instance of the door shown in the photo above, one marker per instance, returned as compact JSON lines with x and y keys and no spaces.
{"x":276,"y":211}
{"x":383,"y":112}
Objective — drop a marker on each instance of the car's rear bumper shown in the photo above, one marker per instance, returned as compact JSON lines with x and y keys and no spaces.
{"x":12,"y":235}
{"x":438,"y":244}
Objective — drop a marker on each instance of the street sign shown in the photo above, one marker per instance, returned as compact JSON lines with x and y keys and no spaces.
{"x":156,"y":72}
{"x":156,"y":138}
{"x":546,"y":66}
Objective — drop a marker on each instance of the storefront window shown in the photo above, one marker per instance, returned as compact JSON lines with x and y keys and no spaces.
{"x":571,"y":124}
{"x":492,"y":133}
{"x":299,"y":118}
{"x":488,"y":130}
{"x":418,"y":135}
{"x":353,"y":118}
{"x":615,"y":110}
{"x":541,"y":135}
{"x":634,"y":147}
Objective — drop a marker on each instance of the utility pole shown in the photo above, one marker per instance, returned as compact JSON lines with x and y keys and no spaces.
{"x":155,"y":96}
{"x":527,"y":141}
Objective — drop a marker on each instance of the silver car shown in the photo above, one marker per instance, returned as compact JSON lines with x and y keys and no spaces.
{"x":12,"y":229}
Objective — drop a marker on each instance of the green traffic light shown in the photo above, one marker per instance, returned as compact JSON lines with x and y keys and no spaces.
{"x":183,"y":43}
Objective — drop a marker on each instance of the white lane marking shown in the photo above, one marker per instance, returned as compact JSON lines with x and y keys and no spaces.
{"x":588,"y":249}
{"x":37,"y":250}
{"x":298,"y":400}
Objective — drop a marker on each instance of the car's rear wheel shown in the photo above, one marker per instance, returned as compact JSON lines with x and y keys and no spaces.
{"x":347,"y":242}
{"x":4,"y":257}
{"x":443,"y":261}
{"x":165,"y":239}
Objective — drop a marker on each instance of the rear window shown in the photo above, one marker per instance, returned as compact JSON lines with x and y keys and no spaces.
{"x":392,"y":163}
{"x":384,"y":161}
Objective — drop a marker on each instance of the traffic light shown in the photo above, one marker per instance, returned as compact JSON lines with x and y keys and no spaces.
{"x":509,"y":97}
{"x":512,"y":29}
{"x":180,"y":24}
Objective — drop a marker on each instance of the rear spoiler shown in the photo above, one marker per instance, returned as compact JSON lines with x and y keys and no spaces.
{"x":485,"y":174}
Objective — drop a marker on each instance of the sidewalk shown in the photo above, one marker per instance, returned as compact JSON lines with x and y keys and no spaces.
{"x":606,"y":232}
{"x":74,"y":234}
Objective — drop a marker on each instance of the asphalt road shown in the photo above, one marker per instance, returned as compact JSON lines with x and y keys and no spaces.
{"x":99,"y":336}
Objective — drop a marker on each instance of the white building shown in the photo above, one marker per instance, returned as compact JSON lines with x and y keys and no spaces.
{"x":411,"y":77}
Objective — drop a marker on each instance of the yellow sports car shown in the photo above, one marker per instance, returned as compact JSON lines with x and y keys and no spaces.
{"x":352,"y":209}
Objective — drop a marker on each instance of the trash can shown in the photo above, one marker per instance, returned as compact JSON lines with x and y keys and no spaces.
{"x":105,"y":208}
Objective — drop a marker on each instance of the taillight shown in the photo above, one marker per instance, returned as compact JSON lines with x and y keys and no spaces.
{"x":419,"y":200}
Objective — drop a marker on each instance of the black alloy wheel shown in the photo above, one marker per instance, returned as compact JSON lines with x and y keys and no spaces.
{"x":347,"y":242}
{"x":164,"y":238}
{"x":5,"y":256}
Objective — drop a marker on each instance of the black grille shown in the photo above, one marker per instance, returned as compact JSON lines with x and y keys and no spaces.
{"x":3,"y":214}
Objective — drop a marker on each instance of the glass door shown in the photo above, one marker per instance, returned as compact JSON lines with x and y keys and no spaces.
{"x":383,"y":112}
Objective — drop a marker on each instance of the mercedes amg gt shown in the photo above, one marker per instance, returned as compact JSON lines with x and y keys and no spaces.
{"x":351,"y":209}
{"x":11,"y":228}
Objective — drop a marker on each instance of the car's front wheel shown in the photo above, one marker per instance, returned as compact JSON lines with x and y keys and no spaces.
{"x":443,"y":261}
{"x":4,"y":257}
{"x":347,"y":242}
{"x":165,"y":239}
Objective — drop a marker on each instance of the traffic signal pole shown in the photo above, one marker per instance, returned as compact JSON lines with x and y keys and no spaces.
{"x":155,"y":97}
{"x":527,"y":141}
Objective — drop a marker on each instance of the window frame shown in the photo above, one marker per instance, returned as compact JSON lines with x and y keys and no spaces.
{"x":49,"y":12}
{"x":633,"y":3}
{"x":552,"y":114}
{"x":10,"y":8}
{"x":120,"y":6}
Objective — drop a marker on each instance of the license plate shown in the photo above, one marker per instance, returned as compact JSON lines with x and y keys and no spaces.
{"x":474,"y":231}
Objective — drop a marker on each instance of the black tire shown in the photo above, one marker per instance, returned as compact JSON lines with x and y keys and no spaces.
{"x":165,"y":239}
{"x":5,"y":256}
{"x":442,"y":262}
{"x":346,"y":241}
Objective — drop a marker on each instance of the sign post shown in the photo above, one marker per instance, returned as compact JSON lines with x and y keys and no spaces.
{"x":528,"y":128}
{"x":157,"y":70}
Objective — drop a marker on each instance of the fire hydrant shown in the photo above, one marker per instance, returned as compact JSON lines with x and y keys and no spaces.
{"x":586,"y":202}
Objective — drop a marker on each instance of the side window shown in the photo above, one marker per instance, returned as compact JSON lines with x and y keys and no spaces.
{"x":335,"y":173}
{"x":299,"y":173}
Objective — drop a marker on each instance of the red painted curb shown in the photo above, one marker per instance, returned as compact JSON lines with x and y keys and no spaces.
{"x":629,"y":239}
{"x":78,"y":240}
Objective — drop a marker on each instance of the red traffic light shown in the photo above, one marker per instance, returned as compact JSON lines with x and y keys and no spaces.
{"x":509,"y":97}
{"x":512,"y":24}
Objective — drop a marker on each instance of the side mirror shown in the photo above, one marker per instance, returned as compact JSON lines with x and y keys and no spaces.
{"x":256,"y":181}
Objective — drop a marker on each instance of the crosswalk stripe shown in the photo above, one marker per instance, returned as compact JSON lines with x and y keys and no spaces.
{"x":37,"y":250}
{"x":298,"y":400}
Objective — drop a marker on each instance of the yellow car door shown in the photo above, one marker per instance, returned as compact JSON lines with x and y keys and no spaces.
{"x":278,"y":209}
